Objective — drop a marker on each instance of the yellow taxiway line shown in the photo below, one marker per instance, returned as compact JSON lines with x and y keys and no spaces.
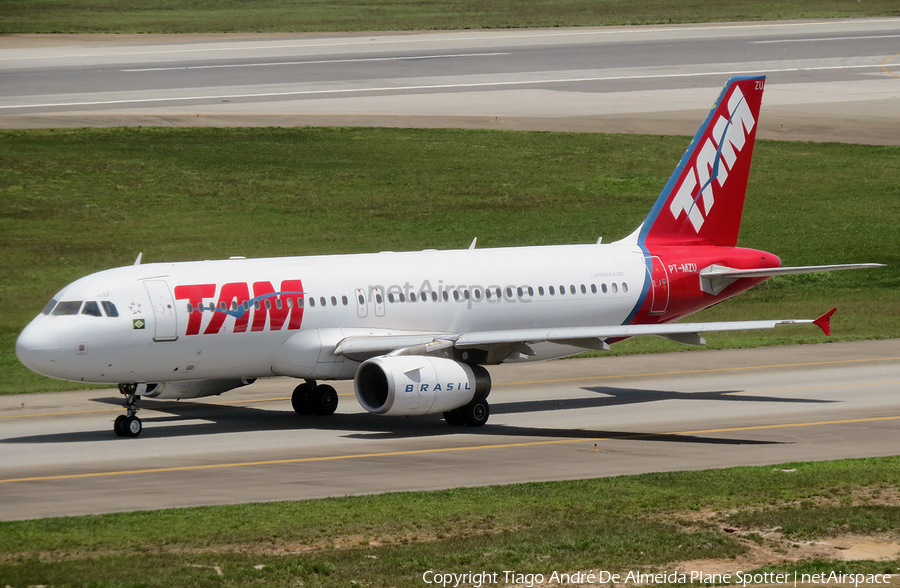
{"x":435,"y":450}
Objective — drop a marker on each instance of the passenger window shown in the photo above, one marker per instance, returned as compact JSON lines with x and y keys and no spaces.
{"x":434,"y":296}
{"x":541,"y":290}
{"x":412,"y":296}
{"x":300,"y":303}
{"x":572,"y":288}
{"x":603,"y":288}
{"x":456,"y":294}
{"x":624,"y":287}
{"x":445,"y":295}
{"x":344,"y":300}
{"x":333,"y":301}
{"x":593,"y":288}
{"x":361,"y":299}
{"x":91,"y":308}
{"x":509,"y":293}
{"x":467,"y":294}
{"x":487,"y":293}
{"x":322,"y":301}
{"x":49,"y":307}
{"x":268,"y":304}
{"x":402,"y":297}
{"x":379,"y":299}
{"x":110,"y":308}
{"x":614,"y":288}
{"x":67,"y":308}
{"x":552,"y":291}
{"x":583,"y":289}
{"x":562,"y":290}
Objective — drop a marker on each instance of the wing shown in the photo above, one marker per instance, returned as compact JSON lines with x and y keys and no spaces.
{"x":500,"y":344}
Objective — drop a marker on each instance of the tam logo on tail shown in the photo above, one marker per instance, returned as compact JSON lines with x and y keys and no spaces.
{"x":717,"y":155}
{"x":704,"y":197}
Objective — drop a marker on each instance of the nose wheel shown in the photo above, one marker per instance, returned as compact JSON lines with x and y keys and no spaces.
{"x":128,"y":424}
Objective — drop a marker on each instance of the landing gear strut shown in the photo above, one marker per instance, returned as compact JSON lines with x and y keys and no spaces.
{"x":309,"y":398}
{"x":128,"y":424}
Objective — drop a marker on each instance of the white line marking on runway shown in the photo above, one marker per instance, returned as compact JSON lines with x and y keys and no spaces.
{"x":318,"y":62}
{"x":439,"y":86}
{"x":824,"y":39}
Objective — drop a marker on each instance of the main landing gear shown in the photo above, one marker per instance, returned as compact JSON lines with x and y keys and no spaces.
{"x":309,"y":398}
{"x":128,"y":425}
{"x":474,"y":414}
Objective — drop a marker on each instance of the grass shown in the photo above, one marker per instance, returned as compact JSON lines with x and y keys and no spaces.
{"x":74,"y":202}
{"x":615,"y":524}
{"x":215,"y":16}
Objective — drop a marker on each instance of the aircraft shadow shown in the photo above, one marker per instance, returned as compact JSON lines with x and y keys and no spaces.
{"x":220,"y":419}
{"x":623,"y":396}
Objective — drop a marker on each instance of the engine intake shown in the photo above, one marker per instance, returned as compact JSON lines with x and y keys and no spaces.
{"x":414,"y":385}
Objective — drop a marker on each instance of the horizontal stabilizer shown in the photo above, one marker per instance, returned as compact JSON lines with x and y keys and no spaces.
{"x":716,"y":278}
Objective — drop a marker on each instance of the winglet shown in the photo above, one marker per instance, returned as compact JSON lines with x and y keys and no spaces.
{"x":824,"y":321}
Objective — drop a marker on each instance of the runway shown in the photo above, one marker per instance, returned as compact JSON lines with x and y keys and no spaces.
{"x":836,"y":80}
{"x":557,"y":420}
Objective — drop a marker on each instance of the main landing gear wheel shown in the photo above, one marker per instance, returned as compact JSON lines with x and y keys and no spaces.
{"x":128,"y":424}
{"x":300,"y":397}
{"x":474,"y":414}
{"x":308,"y":398}
{"x":324,"y":400}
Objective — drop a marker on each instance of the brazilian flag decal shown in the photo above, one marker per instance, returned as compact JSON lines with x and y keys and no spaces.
{"x":138,"y":323}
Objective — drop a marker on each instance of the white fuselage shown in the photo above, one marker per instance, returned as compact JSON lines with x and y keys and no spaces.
{"x":162,"y":335}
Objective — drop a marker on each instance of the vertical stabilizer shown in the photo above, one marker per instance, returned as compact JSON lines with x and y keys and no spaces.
{"x":704,"y":199}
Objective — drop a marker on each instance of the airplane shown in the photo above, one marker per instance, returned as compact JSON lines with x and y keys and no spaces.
{"x":414,"y":330}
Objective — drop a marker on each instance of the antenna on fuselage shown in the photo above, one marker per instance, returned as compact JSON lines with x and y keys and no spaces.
{"x":138,"y":260}
{"x":475,"y":240}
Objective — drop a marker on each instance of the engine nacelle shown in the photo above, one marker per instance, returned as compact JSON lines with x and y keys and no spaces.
{"x":411,"y":385}
{"x":189,"y":388}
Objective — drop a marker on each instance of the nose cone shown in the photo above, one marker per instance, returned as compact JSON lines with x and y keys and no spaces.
{"x":38,"y":347}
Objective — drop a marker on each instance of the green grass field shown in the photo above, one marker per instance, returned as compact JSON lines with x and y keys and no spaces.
{"x":74,"y":202}
{"x":213,"y":16}
{"x":648,"y":522}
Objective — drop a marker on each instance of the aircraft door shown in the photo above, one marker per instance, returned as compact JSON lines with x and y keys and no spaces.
{"x":362,"y":305}
{"x":163,"y":310}
{"x":659,"y":285}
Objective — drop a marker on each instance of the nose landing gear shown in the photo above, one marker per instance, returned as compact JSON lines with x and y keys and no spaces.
{"x":128,"y":424}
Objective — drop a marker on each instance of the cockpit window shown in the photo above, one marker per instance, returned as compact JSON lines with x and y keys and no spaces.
{"x":91,"y":308}
{"x":110,"y":308}
{"x":49,"y":307}
{"x":67,"y":307}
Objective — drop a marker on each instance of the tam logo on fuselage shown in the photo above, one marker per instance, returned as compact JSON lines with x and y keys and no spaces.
{"x":715,"y":158}
{"x":269,"y":309}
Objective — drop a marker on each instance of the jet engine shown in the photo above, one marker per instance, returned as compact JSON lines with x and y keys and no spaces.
{"x":411,"y":385}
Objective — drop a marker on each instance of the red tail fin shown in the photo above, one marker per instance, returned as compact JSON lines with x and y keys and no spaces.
{"x":704,"y":199}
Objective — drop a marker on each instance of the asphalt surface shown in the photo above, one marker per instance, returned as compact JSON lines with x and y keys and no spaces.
{"x":554,"y":420}
{"x":835,"y":80}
